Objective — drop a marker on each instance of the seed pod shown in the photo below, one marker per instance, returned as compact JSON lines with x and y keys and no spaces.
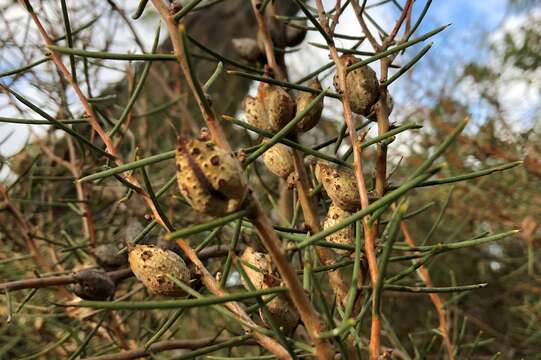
{"x":107,"y":256}
{"x":151,"y":265}
{"x":362,"y":84}
{"x":283,"y":313}
{"x":271,"y":109}
{"x":248,"y":49}
{"x":390,"y":105}
{"x":344,"y":236}
{"x":303,"y":100}
{"x":279,"y":160}
{"x":208,"y":177}
{"x":93,"y":284}
{"x":260,"y":268}
{"x":259,"y":271}
{"x":295,"y":32}
{"x":340,"y":184}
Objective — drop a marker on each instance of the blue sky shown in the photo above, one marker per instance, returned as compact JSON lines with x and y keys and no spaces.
{"x":473,"y":22}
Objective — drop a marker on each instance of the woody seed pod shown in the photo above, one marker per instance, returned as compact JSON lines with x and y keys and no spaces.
{"x":208,"y":177}
{"x":279,"y":160}
{"x":295,"y":32}
{"x":340,"y":184}
{"x":271,"y":109}
{"x":259,"y":271}
{"x":152,"y":265}
{"x":107,"y":256}
{"x":344,"y":236}
{"x":283,"y":313}
{"x":303,"y":100}
{"x":248,"y":49}
{"x":362,"y":85}
{"x":94,"y":284}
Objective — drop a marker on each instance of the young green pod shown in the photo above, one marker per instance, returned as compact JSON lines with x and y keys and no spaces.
{"x":344,"y":236}
{"x":271,"y":109}
{"x":208,"y":177}
{"x":340,"y":184}
{"x":304,"y":98}
{"x":152,"y":265}
{"x":362,"y":84}
{"x":92,"y":284}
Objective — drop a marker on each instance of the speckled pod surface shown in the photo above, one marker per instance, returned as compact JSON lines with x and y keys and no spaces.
{"x":303,"y":100}
{"x":279,"y":160}
{"x":362,"y":84}
{"x":345,"y":236}
{"x":271,"y":109}
{"x":283,"y":313}
{"x":259,"y":271}
{"x":208,"y":177}
{"x":340,"y":184}
{"x":151,"y":265}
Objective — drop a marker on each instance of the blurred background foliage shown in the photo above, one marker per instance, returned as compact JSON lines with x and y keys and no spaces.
{"x":503,"y":318}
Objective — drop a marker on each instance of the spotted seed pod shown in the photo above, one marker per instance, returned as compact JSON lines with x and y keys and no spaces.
{"x":303,"y":100}
{"x":362,"y":84}
{"x":260,"y":269}
{"x":279,"y":160}
{"x":271,"y":109}
{"x":208,"y":177}
{"x":92,"y":284}
{"x":390,"y":104}
{"x":344,"y":236}
{"x":107,"y":256}
{"x":248,"y":49}
{"x":151,"y":265}
{"x":340,"y":184}
{"x":283,"y":313}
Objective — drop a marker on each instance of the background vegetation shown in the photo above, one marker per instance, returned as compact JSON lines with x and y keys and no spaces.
{"x":51,"y":224}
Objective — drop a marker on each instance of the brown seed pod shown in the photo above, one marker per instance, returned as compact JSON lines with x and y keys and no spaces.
{"x":107,"y":256}
{"x":283,"y":313}
{"x":340,"y":184}
{"x":295,"y":32}
{"x":344,"y":236}
{"x":271,"y":109}
{"x":362,"y":84}
{"x":248,"y":49}
{"x":303,"y":100}
{"x":259,"y":269}
{"x":151,"y":265}
{"x":92,"y":284}
{"x":208,"y":177}
{"x":279,"y":160}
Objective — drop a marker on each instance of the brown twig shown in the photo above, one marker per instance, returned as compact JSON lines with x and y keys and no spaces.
{"x":277,"y":70}
{"x":160,"y":346}
{"x":434,"y":297}
{"x":214,"y":287}
{"x":369,"y":231}
{"x":92,"y":118}
{"x":262,"y":223}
